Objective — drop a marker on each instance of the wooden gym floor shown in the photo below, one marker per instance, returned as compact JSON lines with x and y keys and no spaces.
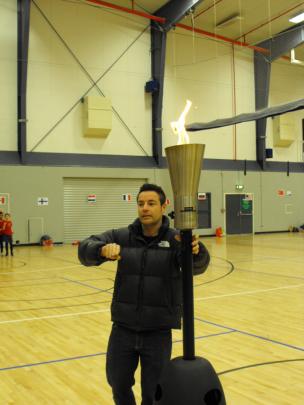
{"x":249,"y":308}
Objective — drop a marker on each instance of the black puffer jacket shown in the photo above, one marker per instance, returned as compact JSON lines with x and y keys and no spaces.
{"x":148,"y":285}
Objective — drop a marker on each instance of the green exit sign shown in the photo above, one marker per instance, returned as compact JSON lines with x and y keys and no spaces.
{"x":239,"y":187}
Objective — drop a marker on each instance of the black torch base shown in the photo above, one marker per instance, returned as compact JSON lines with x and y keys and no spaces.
{"x":191,"y":382}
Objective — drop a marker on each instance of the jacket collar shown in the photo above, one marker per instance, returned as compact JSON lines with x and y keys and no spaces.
{"x":136,"y":227}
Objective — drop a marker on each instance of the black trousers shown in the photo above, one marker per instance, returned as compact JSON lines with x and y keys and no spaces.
{"x":125,"y":349}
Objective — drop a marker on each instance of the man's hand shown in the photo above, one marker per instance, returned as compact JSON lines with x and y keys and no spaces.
{"x":110,"y":251}
{"x":195,"y":245}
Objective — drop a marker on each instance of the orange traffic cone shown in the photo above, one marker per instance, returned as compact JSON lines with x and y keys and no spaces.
{"x":219,"y":231}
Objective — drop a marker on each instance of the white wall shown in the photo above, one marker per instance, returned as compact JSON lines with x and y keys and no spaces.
{"x":8,"y":75}
{"x":218,"y":80}
{"x":56,"y":81}
{"x":220,"y":84}
{"x":287,"y":84}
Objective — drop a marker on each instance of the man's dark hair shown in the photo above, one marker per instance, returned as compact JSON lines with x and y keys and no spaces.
{"x":153,"y":187}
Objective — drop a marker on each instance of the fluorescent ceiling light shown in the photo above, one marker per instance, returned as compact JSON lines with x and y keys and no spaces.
{"x":297,"y":18}
{"x":229,"y":20}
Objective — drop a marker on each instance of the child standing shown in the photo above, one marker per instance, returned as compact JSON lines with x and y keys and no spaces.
{"x":1,"y":232}
{"x":8,"y":233}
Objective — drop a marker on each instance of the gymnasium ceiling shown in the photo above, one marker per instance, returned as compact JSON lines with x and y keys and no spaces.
{"x":258,"y":19}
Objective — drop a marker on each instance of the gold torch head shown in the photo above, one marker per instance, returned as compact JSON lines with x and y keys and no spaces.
{"x":185,"y":163}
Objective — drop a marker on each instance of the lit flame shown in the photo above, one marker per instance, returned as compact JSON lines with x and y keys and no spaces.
{"x":178,"y":126}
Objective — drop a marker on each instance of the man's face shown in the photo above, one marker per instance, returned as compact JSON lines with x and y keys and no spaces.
{"x":150,"y":210}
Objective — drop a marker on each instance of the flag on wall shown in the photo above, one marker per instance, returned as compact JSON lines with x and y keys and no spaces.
{"x":42,"y":201}
{"x":126,"y":197}
{"x":92,"y":198}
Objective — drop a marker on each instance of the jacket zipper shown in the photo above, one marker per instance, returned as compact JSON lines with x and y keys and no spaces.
{"x":141,"y":287}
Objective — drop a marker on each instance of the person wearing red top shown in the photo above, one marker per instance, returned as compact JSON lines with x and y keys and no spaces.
{"x":1,"y":233}
{"x":8,"y":234}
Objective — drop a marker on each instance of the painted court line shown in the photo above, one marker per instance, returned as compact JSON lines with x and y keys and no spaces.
{"x":41,"y":363}
{"x":87,"y":285}
{"x":51,"y":361}
{"x":249,"y":292}
{"x":261,"y":258}
{"x":106,"y":310}
{"x":252,"y":335}
{"x":41,"y":270}
{"x":268,"y":274}
{"x":38,"y":318}
{"x":206,"y":336}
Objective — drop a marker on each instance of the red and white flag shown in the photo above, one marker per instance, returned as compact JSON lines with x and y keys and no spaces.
{"x":126,"y":197}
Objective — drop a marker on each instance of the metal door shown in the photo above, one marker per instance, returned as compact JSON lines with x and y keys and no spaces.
{"x":94,"y":205}
{"x":35,"y":229}
{"x":239,"y":214}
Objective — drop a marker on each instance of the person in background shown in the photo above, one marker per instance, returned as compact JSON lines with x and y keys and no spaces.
{"x":1,"y":232}
{"x":147,"y":297}
{"x":7,"y":231}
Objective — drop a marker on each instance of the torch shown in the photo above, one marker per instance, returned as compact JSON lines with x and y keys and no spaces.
{"x":187,"y":379}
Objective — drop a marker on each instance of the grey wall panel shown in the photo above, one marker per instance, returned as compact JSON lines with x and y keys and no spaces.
{"x":278,"y":212}
{"x":26,"y":183}
{"x":85,"y":216}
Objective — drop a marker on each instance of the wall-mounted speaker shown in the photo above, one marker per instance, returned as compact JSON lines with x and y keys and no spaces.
{"x":268,"y":153}
{"x":152,"y":86}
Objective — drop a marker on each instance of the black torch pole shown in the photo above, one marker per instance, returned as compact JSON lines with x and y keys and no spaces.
{"x":188,"y":306}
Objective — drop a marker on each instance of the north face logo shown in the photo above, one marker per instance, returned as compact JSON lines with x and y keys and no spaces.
{"x":164,"y":243}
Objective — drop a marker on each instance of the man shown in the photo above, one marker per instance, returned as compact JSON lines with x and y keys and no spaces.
{"x":147,"y":293}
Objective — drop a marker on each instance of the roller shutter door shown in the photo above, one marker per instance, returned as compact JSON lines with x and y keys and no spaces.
{"x":84,"y":217}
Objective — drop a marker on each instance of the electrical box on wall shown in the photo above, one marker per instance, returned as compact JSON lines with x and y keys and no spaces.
{"x":97,"y":116}
{"x":283,"y":128}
